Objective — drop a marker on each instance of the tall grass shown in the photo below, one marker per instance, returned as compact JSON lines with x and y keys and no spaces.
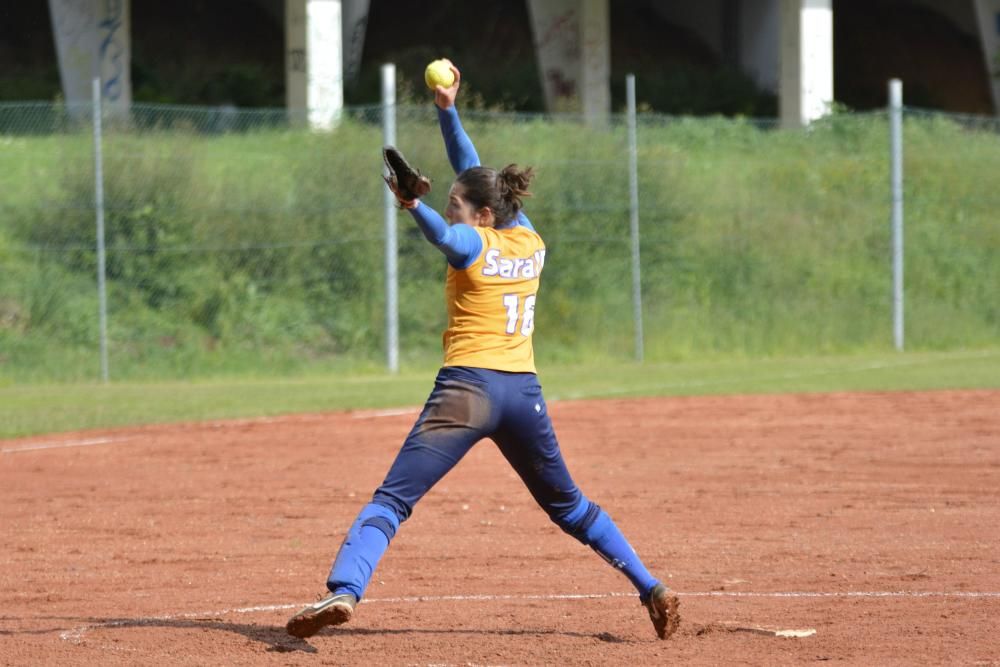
{"x":260,"y":251}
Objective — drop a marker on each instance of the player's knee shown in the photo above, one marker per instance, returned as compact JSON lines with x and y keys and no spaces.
{"x":584,"y":522}
{"x":380,"y":517}
{"x":399,"y":508}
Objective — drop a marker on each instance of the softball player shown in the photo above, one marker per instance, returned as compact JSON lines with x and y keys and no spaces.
{"x":487,"y":387}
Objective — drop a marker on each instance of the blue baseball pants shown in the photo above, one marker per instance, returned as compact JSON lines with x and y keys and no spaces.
{"x":467,"y":405}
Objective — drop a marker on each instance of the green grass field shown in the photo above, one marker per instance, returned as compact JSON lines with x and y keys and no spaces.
{"x":245,"y":268}
{"x":34,"y":409}
{"x":260,"y":252}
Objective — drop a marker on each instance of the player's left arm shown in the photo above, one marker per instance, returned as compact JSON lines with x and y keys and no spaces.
{"x":460,"y":243}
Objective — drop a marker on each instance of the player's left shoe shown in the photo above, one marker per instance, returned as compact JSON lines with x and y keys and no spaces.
{"x":331,"y":610}
{"x":662,"y":607}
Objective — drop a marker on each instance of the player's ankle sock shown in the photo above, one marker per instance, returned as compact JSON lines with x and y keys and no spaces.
{"x":607,"y":540}
{"x":361,"y":551}
{"x":356,"y":560}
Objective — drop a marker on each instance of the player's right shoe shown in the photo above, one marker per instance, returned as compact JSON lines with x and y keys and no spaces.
{"x":331,"y":610}
{"x":662,"y":607}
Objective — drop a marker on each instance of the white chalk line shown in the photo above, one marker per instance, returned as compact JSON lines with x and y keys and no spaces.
{"x":34,"y":446}
{"x":392,"y":412}
{"x":75,"y":635}
{"x":847,"y":594}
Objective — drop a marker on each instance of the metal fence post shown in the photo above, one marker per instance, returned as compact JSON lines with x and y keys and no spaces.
{"x":391,"y":270}
{"x":896,"y":142}
{"x":102,"y":297}
{"x":633,"y":187}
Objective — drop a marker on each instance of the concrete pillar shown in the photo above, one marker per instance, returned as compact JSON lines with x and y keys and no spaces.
{"x":806,"y":60}
{"x":595,"y":55}
{"x":314,"y":61}
{"x":355,"y":25}
{"x":555,"y":25}
{"x":988,"y":17}
{"x":573,"y":44}
{"x":93,"y":38}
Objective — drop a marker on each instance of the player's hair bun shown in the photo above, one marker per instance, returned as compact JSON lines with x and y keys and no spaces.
{"x":500,"y":191}
{"x":512,"y":185}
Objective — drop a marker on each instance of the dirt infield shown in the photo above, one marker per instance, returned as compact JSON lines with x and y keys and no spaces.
{"x":873,"y":519}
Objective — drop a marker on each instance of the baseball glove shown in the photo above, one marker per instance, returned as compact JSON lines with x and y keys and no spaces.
{"x":406,"y":182}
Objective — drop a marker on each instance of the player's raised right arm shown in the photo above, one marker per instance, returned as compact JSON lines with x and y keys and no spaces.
{"x":461,"y":153}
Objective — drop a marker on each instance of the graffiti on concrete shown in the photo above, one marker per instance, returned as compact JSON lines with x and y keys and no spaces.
{"x":92,"y":40}
{"x":113,"y":53}
{"x":297,"y":60}
{"x":558,"y":43}
{"x":559,"y":84}
{"x":352,"y":49}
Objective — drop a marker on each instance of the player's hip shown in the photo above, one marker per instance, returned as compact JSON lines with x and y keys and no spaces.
{"x":505,"y":394}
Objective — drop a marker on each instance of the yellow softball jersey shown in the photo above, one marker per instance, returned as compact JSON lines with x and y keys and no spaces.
{"x":491,"y":304}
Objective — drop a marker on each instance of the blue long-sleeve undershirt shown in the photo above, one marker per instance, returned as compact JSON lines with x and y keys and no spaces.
{"x":461,"y":153}
{"x":460,"y":243}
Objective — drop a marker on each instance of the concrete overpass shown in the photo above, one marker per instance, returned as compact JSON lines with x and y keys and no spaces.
{"x":785,"y":45}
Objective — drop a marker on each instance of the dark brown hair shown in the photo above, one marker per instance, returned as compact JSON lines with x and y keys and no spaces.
{"x":499,"y":191}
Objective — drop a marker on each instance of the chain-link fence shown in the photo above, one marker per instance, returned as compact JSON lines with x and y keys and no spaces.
{"x":240,"y":242}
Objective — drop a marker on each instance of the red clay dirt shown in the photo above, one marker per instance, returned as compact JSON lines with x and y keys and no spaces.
{"x":873,"y":519}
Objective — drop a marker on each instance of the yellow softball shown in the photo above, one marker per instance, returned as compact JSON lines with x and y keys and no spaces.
{"x":439,"y":73}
